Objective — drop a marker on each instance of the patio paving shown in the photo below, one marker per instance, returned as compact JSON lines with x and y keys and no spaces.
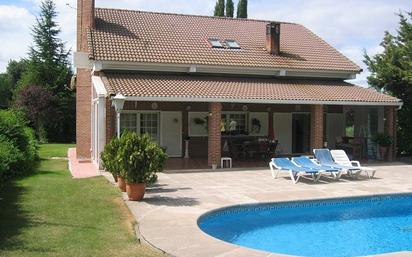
{"x":168,"y":215}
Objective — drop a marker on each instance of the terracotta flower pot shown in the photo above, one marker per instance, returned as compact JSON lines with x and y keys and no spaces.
{"x":135,"y":191}
{"x":121,"y":183}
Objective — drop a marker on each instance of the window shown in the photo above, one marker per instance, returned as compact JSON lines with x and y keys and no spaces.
{"x":149,"y":124}
{"x":232,"y":44}
{"x":215,"y":43}
{"x":233,"y":123}
{"x":128,"y":121}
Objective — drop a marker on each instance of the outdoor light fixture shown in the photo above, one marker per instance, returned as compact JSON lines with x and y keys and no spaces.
{"x":118,"y":103}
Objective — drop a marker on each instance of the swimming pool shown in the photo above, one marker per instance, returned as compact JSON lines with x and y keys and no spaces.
{"x":320,"y":228}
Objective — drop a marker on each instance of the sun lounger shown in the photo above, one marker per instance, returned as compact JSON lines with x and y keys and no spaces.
{"x":340,"y":157}
{"x":295,"y":171}
{"x":306,"y":162}
{"x":324,"y":157}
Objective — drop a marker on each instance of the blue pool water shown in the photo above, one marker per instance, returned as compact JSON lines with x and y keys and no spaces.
{"x":319,"y":228}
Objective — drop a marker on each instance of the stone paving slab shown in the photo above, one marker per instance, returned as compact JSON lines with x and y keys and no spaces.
{"x":168,"y":215}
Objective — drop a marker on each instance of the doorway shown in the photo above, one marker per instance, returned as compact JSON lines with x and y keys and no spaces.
{"x":300,"y":132}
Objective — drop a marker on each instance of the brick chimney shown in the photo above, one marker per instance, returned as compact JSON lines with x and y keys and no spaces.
{"x":85,"y":21}
{"x":273,"y":38}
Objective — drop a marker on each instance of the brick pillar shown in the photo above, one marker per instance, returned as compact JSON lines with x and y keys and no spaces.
{"x":85,"y":20}
{"x":214,"y":139}
{"x":316,"y":127}
{"x":110,"y":121}
{"x":390,"y":129}
{"x":83,"y":113}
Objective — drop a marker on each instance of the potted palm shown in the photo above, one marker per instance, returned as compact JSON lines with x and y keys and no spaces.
{"x":384,"y":141}
{"x":141,"y":159}
{"x":111,"y":162}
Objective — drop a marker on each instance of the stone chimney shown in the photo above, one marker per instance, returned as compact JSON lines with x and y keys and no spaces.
{"x":273,"y":38}
{"x":85,"y":21}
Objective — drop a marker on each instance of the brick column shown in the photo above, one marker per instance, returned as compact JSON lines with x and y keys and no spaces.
{"x":316,"y":127}
{"x":390,"y":129}
{"x":83,"y":113}
{"x":110,"y":121}
{"x":214,"y":139}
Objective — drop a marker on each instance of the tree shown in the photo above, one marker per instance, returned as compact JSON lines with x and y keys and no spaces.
{"x":229,"y":8}
{"x":48,"y":66}
{"x":5,"y":91}
{"x":391,"y":72}
{"x":38,"y":104}
{"x":220,"y":8}
{"x":242,"y":9}
{"x":15,"y":70}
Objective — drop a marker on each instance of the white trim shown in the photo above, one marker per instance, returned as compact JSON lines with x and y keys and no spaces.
{"x":223,"y":69}
{"x":99,"y":86}
{"x":257,"y":101}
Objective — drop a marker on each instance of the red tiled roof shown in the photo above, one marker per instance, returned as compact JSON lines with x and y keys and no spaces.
{"x":148,"y":37}
{"x":183,"y":87}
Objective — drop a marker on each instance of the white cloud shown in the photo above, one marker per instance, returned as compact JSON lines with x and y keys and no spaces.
{"x":15,"y":35}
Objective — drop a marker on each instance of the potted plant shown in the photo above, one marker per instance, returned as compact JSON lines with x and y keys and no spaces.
{"x":111,"y":162}
{"x":384,"y":141}
{"x":141,"y":159}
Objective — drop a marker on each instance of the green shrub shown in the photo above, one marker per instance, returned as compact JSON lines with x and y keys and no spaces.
{"x":110,"y":158}
{"x":18,"y":145}
{"x":141,"y":158}
{"x":10,"y":157}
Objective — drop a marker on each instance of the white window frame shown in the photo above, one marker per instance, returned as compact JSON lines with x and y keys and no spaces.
{"x":138,"y":117}
{"x":239,"y":112}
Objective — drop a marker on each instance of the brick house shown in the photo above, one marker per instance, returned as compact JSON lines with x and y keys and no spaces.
{"x":195,"y":83}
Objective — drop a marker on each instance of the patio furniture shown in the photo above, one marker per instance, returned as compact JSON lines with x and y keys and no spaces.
{"x":306,"y":162}
{"x":324,"y":157}
{"x":225,"y":159}
{"x":342,"y":158}
{"x":295,"y":171}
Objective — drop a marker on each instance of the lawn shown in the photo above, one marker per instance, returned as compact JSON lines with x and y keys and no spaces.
{"x":54,"y":150}
{"x":48,"y":213}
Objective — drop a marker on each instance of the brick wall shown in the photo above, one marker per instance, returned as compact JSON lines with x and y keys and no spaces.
{"x":85,"y":20}
{"x":316,"y":127}
{"x":214,"y":139}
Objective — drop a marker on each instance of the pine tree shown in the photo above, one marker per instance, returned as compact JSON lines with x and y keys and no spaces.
{"x":391,"y":72}
{"x":242,"y":9}
{"x":229,"y":8}
{"x":220,"y":8}
{"x":49,"y":65}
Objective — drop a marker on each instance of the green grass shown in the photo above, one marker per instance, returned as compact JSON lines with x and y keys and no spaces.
{"x":48,"y":213}
{"x":54,"y":150}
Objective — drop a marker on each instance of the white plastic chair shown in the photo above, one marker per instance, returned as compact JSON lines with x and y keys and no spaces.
{"x":340,"y":157}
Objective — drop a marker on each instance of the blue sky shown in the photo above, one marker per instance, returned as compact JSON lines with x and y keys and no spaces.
{"x":350,"y":26}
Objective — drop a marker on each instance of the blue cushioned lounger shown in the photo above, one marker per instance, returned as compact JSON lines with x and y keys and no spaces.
{"x":304,"y":161}
{"x":295,"y":171}
{"x":324,"y":157}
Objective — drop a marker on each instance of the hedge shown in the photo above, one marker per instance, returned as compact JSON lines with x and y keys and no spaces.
{"x":18,"y":145}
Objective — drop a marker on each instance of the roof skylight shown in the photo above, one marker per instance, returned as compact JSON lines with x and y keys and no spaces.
{"x":230,"y":43}
{"x":214,"y":42}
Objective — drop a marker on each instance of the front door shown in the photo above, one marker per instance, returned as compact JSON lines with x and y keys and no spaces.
{"x":171,"y":129}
